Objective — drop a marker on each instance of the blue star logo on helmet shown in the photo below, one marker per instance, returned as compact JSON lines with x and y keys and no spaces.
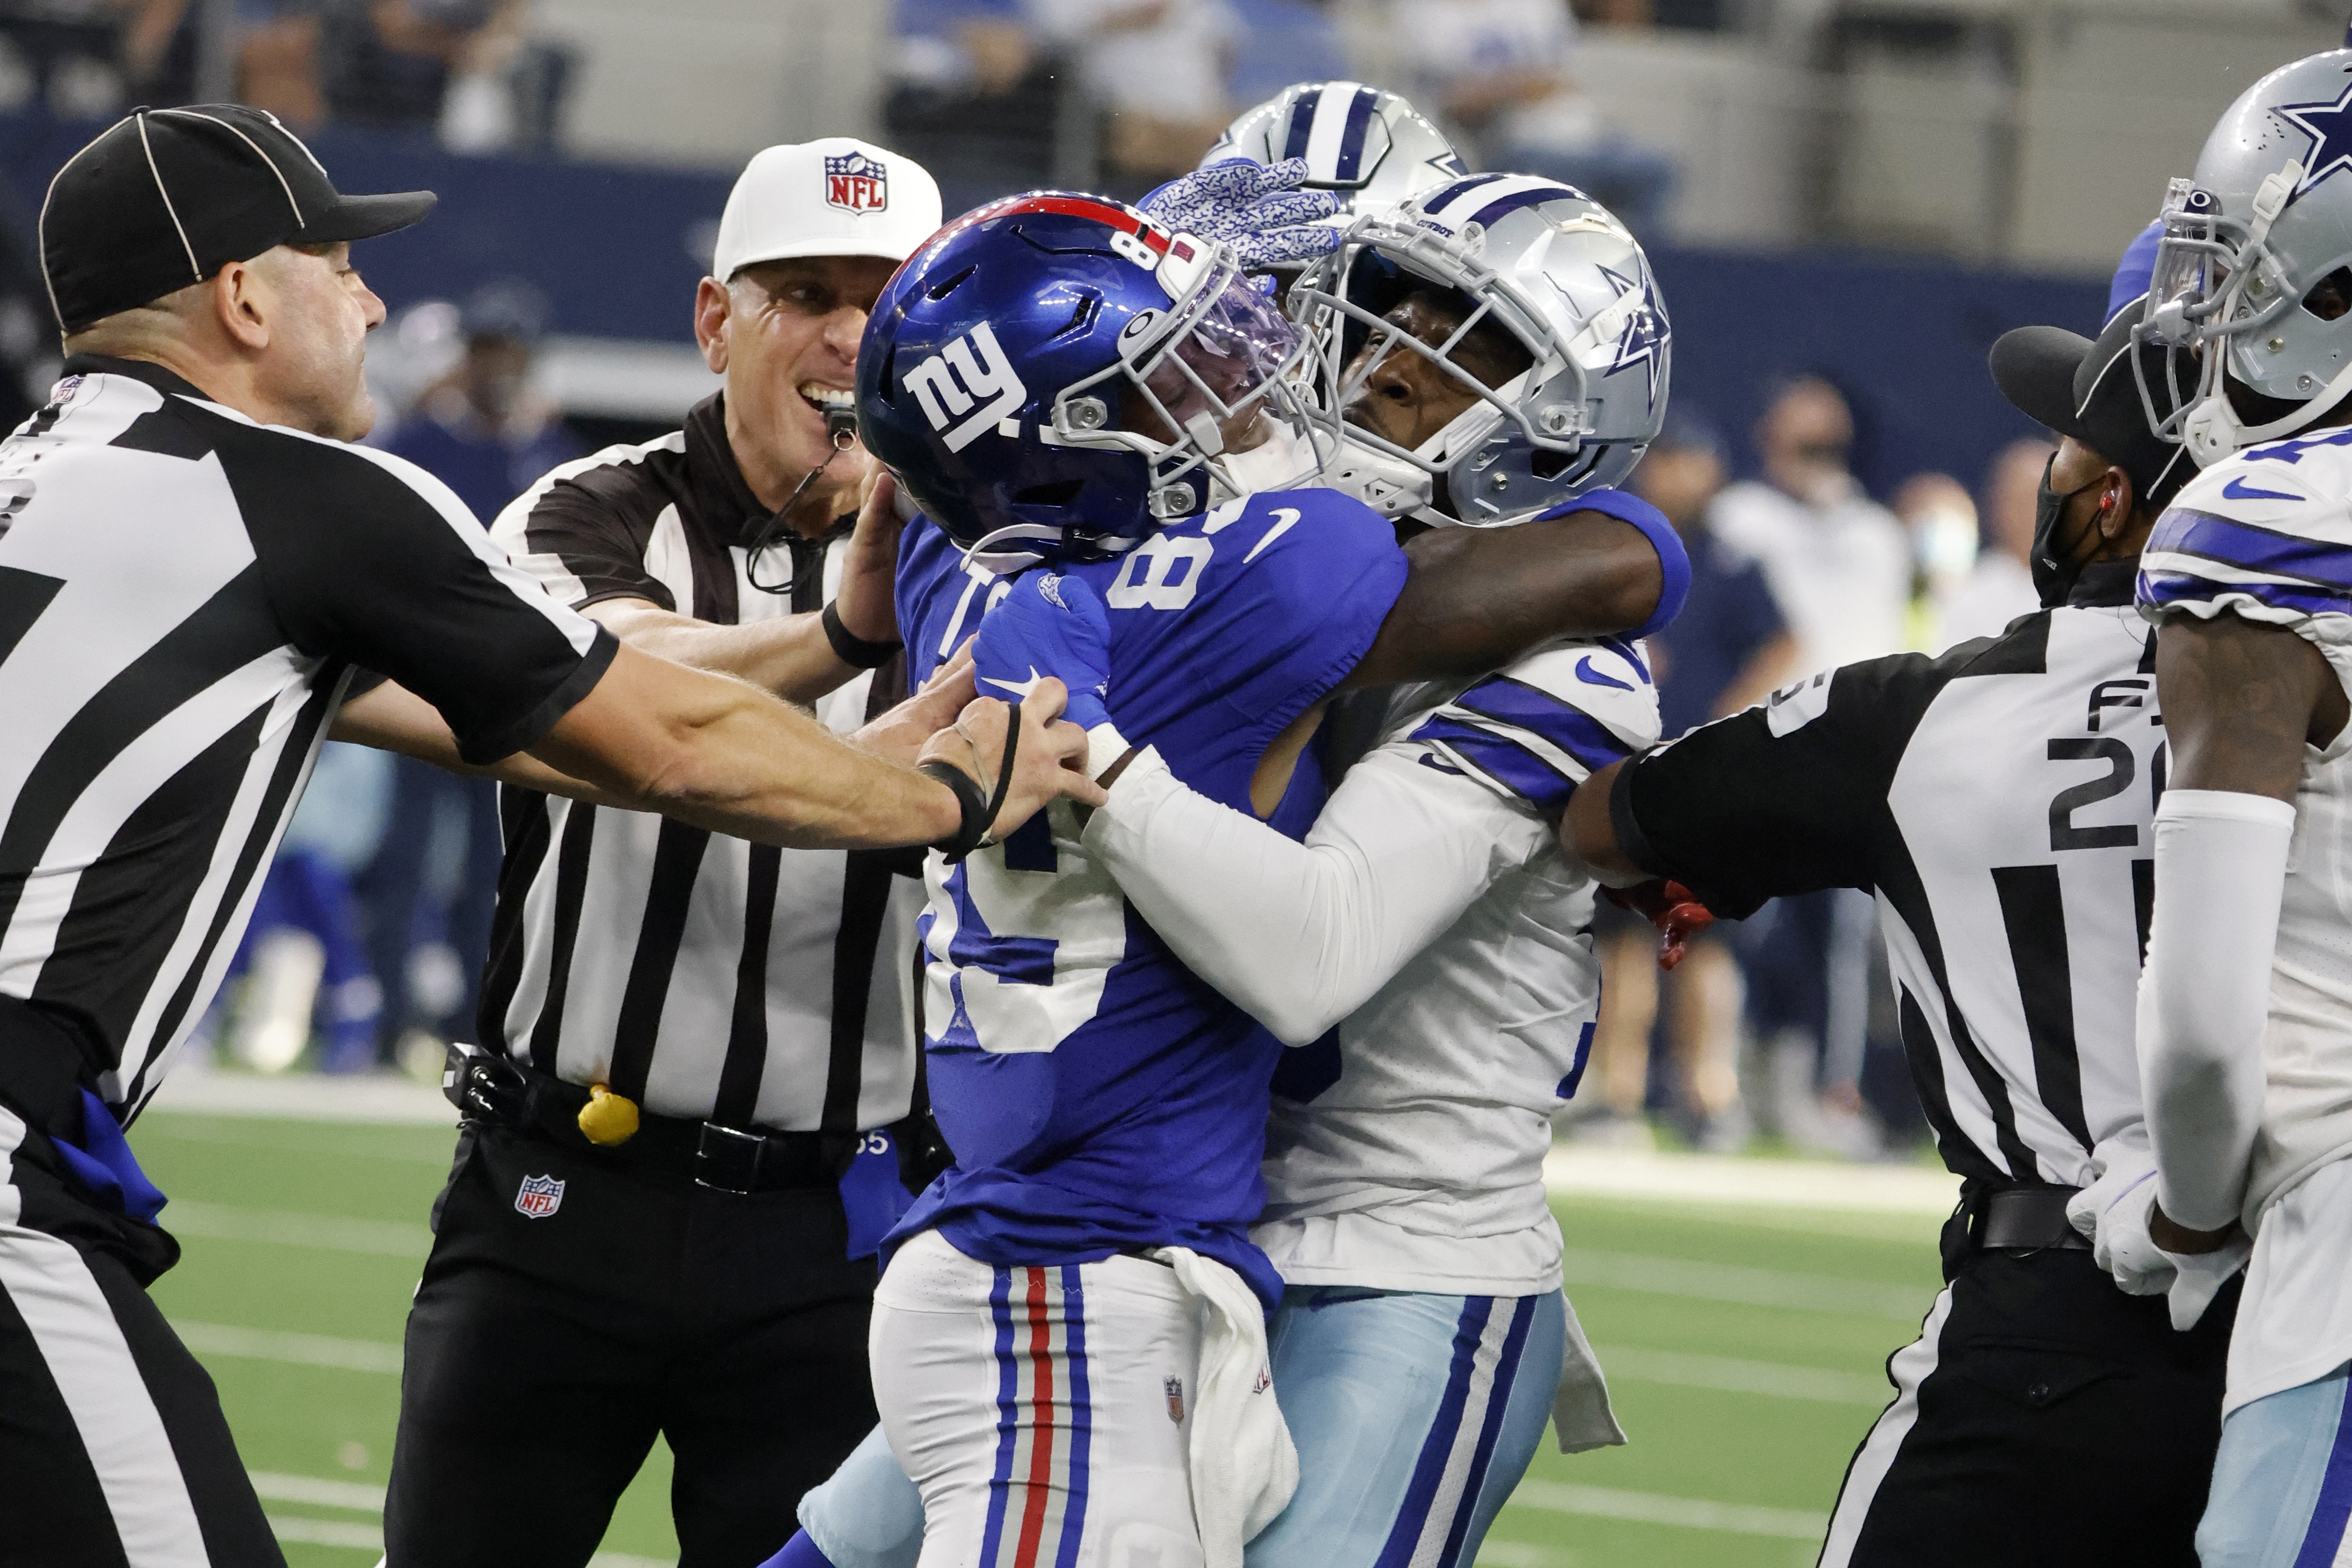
{"x":1644,"y":331}
{"x":2329,"y":126}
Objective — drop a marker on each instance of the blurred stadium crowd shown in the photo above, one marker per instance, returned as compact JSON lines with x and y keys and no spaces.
{"x":375,"y":921}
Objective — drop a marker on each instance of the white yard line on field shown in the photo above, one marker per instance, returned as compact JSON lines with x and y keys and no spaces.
{"x":299,"y":1349}
{"x":306,"y":1096}
{"x":1730,"y":1376}
{"x":1760,"y":1184}
{"x":286,"y":1227}
{"x":1687,"y":1512}
{"x":1746,"y":1286}
{"x":273,"y":1486}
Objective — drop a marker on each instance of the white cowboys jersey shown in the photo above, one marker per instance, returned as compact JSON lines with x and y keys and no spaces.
{"x":1449,"y":990}
{"x":2266,"y":535}
{"x":1997,"y":800}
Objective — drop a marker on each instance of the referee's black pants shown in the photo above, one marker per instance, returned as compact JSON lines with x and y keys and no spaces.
{"x":113,"y":1449}
{"x":543,"y":1355}
{"x":2042,"y":1417}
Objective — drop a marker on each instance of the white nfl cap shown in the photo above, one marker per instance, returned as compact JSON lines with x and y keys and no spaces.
{"x":839,"y":196}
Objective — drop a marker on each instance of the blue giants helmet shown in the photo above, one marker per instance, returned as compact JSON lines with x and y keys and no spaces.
{"x":1052,"y":373}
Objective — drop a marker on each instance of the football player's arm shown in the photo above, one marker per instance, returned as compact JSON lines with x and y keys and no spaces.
{"x":794,"y":656}
{"x":1301,"y":935}
{"x":1739,"y":813}
{"x":2241,"y":701}
{"x":1475,"y":599}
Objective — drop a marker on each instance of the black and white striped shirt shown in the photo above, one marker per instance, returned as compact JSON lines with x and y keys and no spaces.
{"x":701,"y":976}
{"x":184,"y":597}
{"x":1997,"y":799}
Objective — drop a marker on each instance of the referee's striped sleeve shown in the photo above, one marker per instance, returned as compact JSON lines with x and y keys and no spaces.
{"x":401,"y":578}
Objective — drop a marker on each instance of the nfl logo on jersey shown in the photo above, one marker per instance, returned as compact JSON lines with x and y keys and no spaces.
{"x":539,"y":1197}
{"x":856,"y":184}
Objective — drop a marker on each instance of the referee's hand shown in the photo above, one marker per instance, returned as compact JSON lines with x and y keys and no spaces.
{"x":1048,"y":762}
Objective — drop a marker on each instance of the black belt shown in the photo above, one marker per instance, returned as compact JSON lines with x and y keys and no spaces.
{"x":2024,"y":1220}
{"x":504,"y":1093}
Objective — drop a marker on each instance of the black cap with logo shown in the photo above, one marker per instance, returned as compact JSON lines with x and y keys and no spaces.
{"x":167,"y":197}
{"x":2090,"y":392}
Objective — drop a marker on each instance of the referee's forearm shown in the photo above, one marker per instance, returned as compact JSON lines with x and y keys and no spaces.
{"x":790,"y":656}
{"x":722,"y":755}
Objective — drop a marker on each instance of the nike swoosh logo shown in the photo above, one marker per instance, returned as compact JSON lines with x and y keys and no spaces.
{"x":1018,"y":688}
{"x":1592,"y":678}
{"x":2237,"y":489}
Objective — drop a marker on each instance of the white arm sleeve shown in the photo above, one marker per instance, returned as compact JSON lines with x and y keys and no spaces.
{"x":1301,"y":935}
{"x":2204,"y":996}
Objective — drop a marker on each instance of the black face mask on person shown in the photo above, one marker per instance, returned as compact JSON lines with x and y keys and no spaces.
{"x":2053,"y":573}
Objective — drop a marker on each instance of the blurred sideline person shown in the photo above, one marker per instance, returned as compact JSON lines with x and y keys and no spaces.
{"x":1839,"y":567}
{"x":194,"y":565}
{"x":701,"y":1046}
{"x":2000,"y":587}
{"x":1444,"y":1240}
{"x":2246,"y":1013}
{"x":1729,"y":648}
{"x":1999,"y":801}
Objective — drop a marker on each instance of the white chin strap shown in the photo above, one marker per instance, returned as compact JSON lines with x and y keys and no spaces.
{"x":2212,"y":430}
{"x":1280,"y":461}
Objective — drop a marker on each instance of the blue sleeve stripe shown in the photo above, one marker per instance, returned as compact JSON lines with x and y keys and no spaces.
{"x":1574,"y":731}
{"x":1673,"y":561}
{"x":1508,"y":763}
{"x":2252,"y":549}
{"x":2161,"y":588}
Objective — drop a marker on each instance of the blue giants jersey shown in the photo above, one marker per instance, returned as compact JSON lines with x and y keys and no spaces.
{"x":1098,"y":1096}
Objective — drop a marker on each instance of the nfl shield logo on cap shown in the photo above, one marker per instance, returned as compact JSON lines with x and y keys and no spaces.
{"x":540,"y":1197}
{"x":856,"y":184}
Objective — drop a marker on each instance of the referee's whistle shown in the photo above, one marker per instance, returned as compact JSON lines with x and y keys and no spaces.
{"x":608,"y":1120}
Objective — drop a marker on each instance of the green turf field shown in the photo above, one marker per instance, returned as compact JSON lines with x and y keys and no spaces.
{"x":1744,"y":1350}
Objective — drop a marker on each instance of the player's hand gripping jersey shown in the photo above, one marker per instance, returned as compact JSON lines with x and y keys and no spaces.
{"x":1098,"y":1095}
{"x":2267,"y":535}
{"x":1425,"y":950}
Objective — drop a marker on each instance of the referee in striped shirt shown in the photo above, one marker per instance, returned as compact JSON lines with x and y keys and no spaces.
{"x":684,"y":1134}
{"x":194,"y":565}
{"x":1998,"y":799}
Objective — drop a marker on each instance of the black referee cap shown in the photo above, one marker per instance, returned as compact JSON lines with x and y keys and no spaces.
{"x":167,"y":197}
{"x":2090,"y":392}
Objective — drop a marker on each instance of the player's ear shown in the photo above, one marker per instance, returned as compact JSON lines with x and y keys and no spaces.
{"x":711,"y":304}
{"x":2118,"y":505}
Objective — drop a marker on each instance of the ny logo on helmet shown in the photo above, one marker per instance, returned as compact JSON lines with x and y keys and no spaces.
{"x":971,"y":370}
{"x":857,"y":183}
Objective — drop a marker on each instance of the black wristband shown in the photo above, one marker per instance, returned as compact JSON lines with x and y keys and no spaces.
{"x":850,"y":648}
{"x":973,"y":802}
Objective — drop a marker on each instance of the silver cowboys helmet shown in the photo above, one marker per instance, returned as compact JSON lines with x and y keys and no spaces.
{"x":1365,"y":143}
{"x":2245,"y":270}
{"x":1552,"y":268}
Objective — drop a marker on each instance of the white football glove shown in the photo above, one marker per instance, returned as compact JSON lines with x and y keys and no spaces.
{"x":1258,"y":210}
{"x":2114,"y":1211}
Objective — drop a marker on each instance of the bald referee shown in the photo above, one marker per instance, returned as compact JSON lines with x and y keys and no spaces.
{"x":192,"y":567}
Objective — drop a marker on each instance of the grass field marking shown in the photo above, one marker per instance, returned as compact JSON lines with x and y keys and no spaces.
{"x":326,"y":1532}
{"x":1747,"y":1286}
{"x":1492,"y":1554}
{"x":287,"y":1228}
{"x":1771,"y":1184}
{"x":1727,"y":1375}
{"x":274,"y":1487}
{"x":1685,"y":1512}
{"x":277,"y":1344}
